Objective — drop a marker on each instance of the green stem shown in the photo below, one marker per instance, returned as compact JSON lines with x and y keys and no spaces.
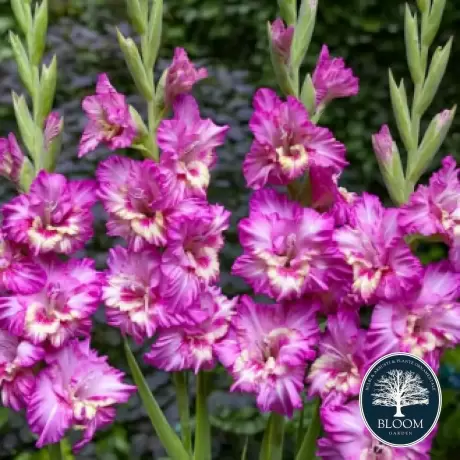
{"x":55,"y":451}
{"x":166,"y":434}
{"x":300,"y":429}
{"x":272,"y":444}
{"x":203,"y":427}
{"x":152,"y":128}
{"x":308,"y":448}
{"x":180,"y":382}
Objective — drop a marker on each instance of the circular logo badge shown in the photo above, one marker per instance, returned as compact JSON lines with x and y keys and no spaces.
{"x":400,"y":399}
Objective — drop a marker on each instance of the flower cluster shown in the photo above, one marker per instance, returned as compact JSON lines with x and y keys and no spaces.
{"x":324,"y":252}
{"x":164,"y":282}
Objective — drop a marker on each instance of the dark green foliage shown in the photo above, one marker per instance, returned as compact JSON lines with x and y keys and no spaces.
{"x":229,"y":37}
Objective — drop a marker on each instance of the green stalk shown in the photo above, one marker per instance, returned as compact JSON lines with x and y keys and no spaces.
{"x":55,"y":451}
{"x":203,"y":427}
{"x":180,"y":382}
{"x":308,"y":448}
{"x":300,"y":430}
{"x":166,"y":434}
{"x":272,"y":444}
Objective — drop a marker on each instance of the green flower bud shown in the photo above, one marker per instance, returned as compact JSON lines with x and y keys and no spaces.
{"x":435,"y":75}
{"x":135,"y":13}
{"x":288,"y":10}
{"x":54,"y":127}
{"x":308,"y":94}
{"x":401,"y":112}
{"x":283,"y":75}
{"x":412,"y":46}
{"x":135,"y":66}
{"x":37,"y":38}
{"x":434,"y":21}
{"x":431,"y":143}
{"x":153,"y":40}
{"x":422,"y":5}
{"x":47,"y":90}
{"x":22,"y":61}
{"x":21,"y":11}
{"x":25,"y":123}
{"x":303,"y":31}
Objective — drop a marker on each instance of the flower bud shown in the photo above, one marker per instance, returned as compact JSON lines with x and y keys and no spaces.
{"x":281,"y":38}
{"x":27,"y":175}
{"x":22,"y":61}
{"x":434,"y":21}
{"x":135,"y":13}
{"x":135,"y":66}
{"x":21,"y":11}
{"x":155,"y":24}
{"x":435,"y":75}
{"x":412,"y":46}
{"x":11,"y":158}
{"x":431,"y":143}
{"x":47,"y":90}
{"x":281,"y":69}
{"x":54,"y":127}
{"x":401,"y":112}
{"x":308,"y":94}
{"x":303,"y":31}
{"x":422,"y":5}
{"x":37,"y":37}
{"x":390,"y":164}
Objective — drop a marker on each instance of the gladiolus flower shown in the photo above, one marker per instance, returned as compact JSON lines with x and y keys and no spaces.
{"x":17,"y":380}
{"x":191,"y":259}
{"x":11,"y":158}
{"x":55,"y":216}
{"x":182,"y":75}
{"x":287,"y":143}
{"x":61,"y":310}
{"x":383,"y":145}
{"x":78,"y":389}
{"x":19,"y":273}
{"x":193,"y":346}
{"x":110,"y":121}
{"x":267,"y":350}
{"x":288,"y":250}
{"x":422,"y":324}
{"x":336,"y":373}
{"x":136,"y":194}
{"x":346,"y":437}
{"x":373,"y":245}
{"x":282,"y":39}
{"x":188,"y":146}
{"x":332,"y":79}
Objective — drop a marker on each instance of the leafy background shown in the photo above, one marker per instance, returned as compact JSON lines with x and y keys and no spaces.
{"x":228,"y":38}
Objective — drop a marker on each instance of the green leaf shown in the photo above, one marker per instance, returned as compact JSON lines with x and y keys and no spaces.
{"x":47,"y":91}
{"x":22,"y":61}
{"x":153,"y":41}
{"x":37,"y":38}
{"x":166,"y":434}
{"x":137,"y":16}
{"x":434,"y":21}
{"x":288,"y":10}
{"x":303,"y":32}
{"x":412,"y":46}
{"x":308,"y":448}
{"x":308,"y":94}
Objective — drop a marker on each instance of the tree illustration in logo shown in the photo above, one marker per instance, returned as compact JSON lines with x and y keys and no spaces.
{"x":399,"y":388}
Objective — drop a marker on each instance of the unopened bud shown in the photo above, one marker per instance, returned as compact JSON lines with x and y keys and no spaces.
{"x":281,"y":37}
{"x":383,"y":144}
{"x":11,"y":158}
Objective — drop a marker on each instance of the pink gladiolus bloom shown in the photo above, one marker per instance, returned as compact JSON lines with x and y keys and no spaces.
{"x":78,"y":389}
{"x":17,"y":380}
{"x":383,"y":145}
{"x":373,"y":245}
{"x":327,"y":197}
{"x":61,"y":310}
{"x":287,"y":143}
{"x":194,"y":346}
{"x":426,"y":322}
{"x":191,"y":259}
{"x":288,"y":250}
{"x":110,"y":121}
{"x":267,"y":350}
{"x":132,"y":293}
{"x":55,"y":216}
{"x":336,"y":373}
{"x":136,"y":194}
{"x":11,"y":158}
{"x":282,"y":39}
{"x":188,"y":146}
{"x":434,"y":209}
{"x":332,"y":79}
{"x":19,"y":273}
{"x":346,"y":437}
{"x":182,"y":75}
